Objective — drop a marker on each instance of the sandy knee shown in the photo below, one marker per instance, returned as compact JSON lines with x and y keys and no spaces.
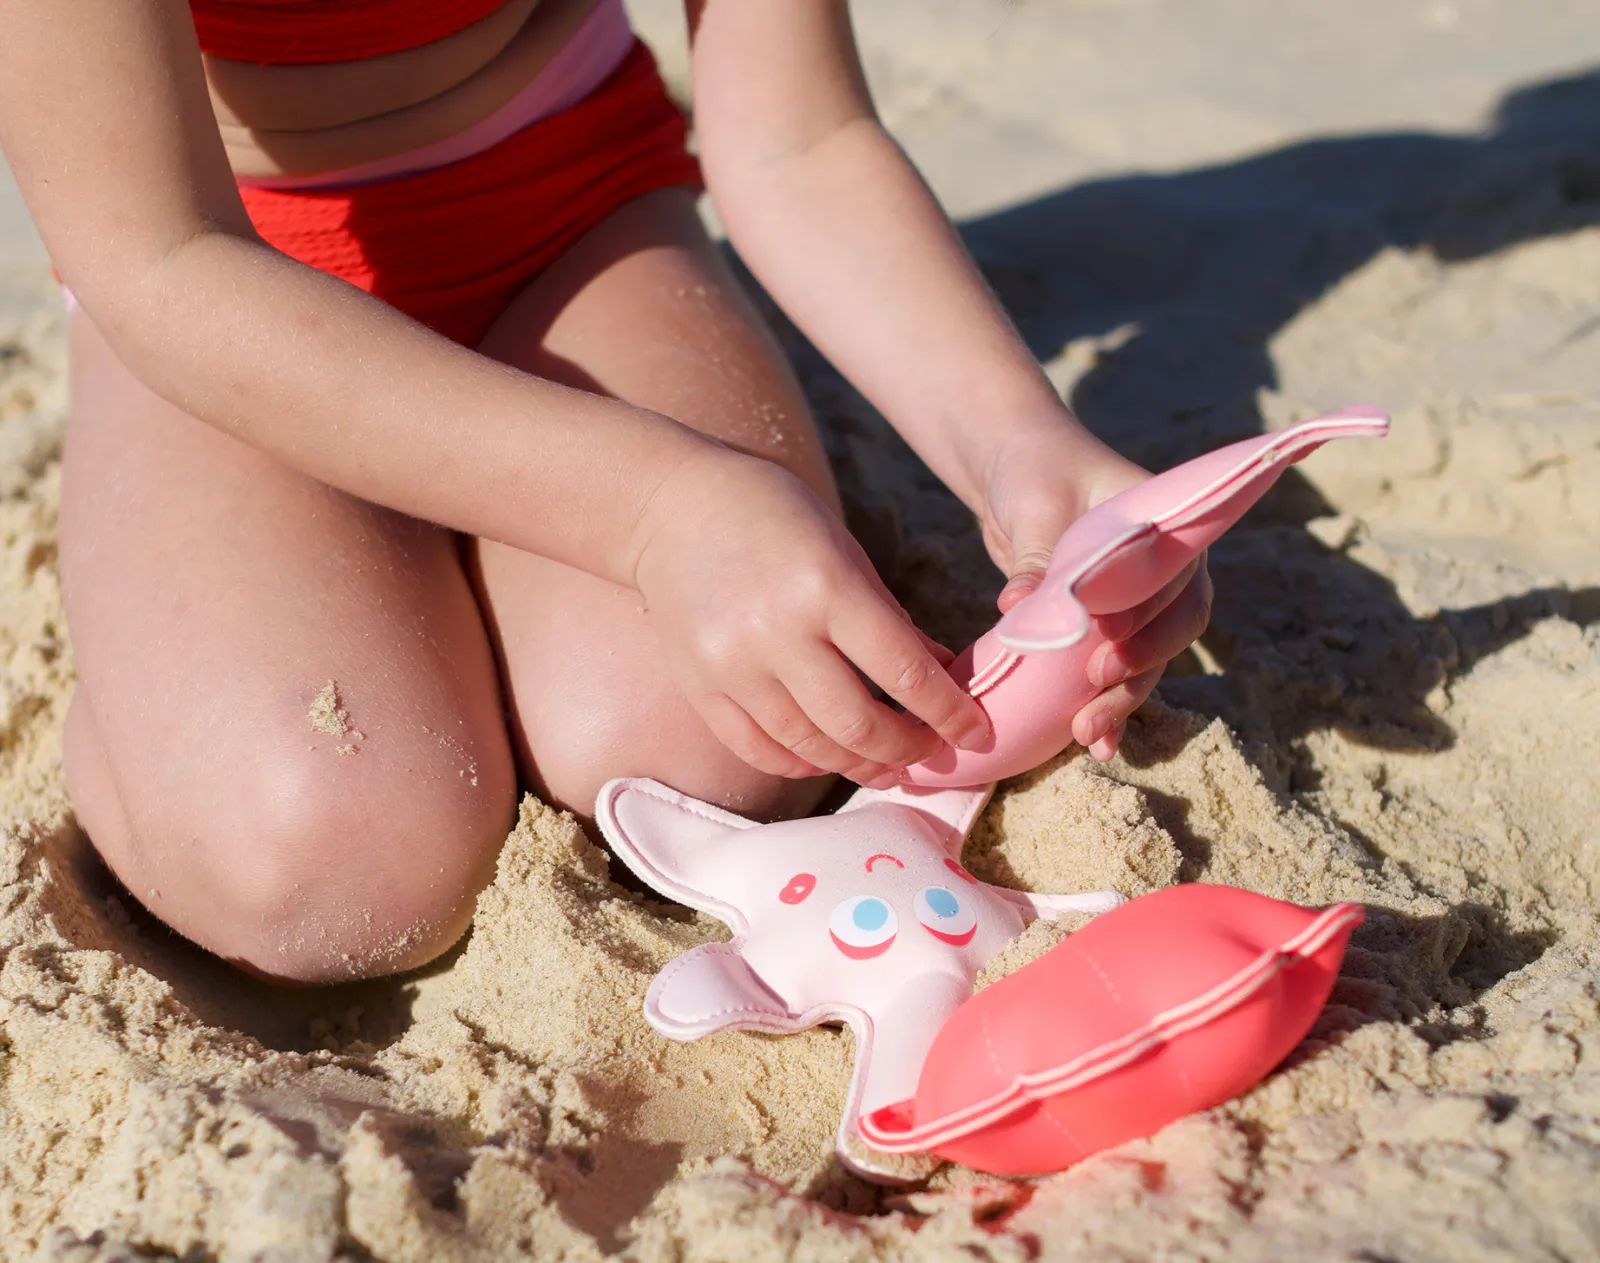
{"x":373,"y":869}
{"x":311,"y":861}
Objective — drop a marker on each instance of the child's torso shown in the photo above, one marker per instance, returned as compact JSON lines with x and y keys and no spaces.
{"x":291,"y":119}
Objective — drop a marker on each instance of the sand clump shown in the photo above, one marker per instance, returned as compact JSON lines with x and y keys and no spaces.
{"x":1398,"y":704}
{"x":328,"y":715}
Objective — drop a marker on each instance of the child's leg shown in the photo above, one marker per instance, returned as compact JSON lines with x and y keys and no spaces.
{"x":643,"y":308}
{"x":212,"y":593}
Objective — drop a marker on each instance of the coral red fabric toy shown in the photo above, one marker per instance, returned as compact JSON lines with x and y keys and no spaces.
{"x":1174,"y":1003}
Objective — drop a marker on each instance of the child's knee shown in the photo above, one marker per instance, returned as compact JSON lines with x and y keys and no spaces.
{"x":305,"y":875}
{"x":90,"y":788}
{"x":364,"y":875}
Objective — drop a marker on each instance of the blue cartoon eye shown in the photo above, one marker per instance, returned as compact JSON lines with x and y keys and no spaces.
{"x":863,"y":927}
{"x":946,"y":916}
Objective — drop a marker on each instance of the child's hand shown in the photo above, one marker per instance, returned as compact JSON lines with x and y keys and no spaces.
{"x":767,"y":608}
{"x":1041,"y":483}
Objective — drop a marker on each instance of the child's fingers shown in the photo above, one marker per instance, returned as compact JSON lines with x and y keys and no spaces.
{"x":1105,"y":749}
{"x":788,"y":723}
{"x":1033,"y":538}
{"x":1017,"y":587}
{"x":836,"y":700}
{"x":731,"y":724}
{"x":891,"y":654}
{"x":1159,"y":640}
{"x":1106,"y":714}
{"x":944,"y":657}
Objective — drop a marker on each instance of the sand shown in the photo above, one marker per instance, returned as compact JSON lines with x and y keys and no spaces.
{"x":327,"y":715}
{"x":1207,"y":218}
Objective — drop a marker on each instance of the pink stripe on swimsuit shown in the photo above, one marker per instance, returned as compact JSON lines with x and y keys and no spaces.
{"x":593,"y":51}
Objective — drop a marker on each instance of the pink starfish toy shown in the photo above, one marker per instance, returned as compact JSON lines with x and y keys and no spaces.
{"x":1173,"y":1004}
{"x":864,"y":917}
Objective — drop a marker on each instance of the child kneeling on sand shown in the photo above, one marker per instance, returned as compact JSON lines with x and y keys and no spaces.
{"x":408,"y":388}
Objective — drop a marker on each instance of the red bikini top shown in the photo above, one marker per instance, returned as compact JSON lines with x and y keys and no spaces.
{"x":302,"y":32}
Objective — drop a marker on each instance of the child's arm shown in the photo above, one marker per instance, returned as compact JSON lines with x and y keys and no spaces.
{"x":107,"y":125}
{"x":837,"y":224}
{"x":105,"y":118}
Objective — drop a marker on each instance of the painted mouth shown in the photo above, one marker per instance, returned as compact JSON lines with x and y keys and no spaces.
{"x":955,"y":940}
{"x":863,"y":953}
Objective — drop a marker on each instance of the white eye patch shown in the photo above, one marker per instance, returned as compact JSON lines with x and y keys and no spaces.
{"x":946,"y":916}
{"x":863,"y":927}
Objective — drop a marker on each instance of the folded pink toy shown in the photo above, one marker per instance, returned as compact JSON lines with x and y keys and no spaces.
{"x":1028,"y":671}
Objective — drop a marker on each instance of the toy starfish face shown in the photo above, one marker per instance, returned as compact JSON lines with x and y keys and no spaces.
{"x":864,"y":917}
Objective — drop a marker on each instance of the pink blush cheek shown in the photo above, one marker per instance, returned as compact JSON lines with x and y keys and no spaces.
{"x":800,"y":886}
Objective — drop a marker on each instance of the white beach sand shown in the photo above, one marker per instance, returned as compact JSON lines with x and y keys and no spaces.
{"x":1206,"y":218}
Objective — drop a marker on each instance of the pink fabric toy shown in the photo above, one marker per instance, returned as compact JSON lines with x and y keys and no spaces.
{"x":1113,"y":557}
{"x":864,"y":917}
{"x":1171,"y":1004}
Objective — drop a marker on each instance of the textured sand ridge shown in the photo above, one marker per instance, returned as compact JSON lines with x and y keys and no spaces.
{"x":1398,"y":703}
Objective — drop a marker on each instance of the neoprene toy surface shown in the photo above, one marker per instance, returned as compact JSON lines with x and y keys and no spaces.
{"x":1170,"y":1004}
{"x":1028,"y":670}
{"x":1173,"y":1003}
{"x":863,"y":917}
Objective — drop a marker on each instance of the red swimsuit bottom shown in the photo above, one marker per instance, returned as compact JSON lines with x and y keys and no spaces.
{"x":452,"y":245}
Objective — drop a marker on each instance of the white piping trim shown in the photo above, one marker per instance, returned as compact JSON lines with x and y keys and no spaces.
{"x":1287,"y":447}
